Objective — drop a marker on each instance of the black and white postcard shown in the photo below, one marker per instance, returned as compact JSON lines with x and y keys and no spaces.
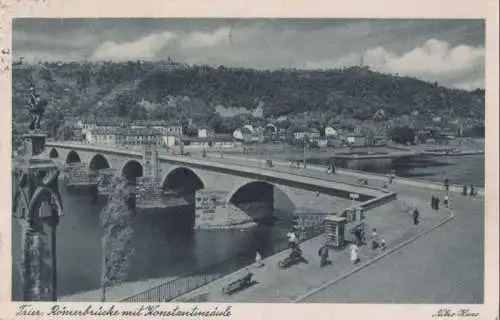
{"x":217,"y":161}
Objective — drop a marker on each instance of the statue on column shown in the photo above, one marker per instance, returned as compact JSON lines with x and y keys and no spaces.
{"x":36,"y":108}
{"x":37,"y":205}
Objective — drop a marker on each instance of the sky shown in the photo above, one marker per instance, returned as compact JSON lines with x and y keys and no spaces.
{"x":450,"y":52}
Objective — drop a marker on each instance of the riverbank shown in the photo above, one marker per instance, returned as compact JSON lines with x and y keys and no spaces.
{"x":393,"y":224}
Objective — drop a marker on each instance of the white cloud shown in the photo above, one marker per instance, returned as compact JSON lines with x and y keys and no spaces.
{"x":144,"y":48}
{"x":206,"y":39}
{"x":406,"y":50}
{"x":460,"y":66}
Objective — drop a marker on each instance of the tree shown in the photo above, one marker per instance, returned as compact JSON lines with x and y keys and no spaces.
{"x":116,"y":219}
{"x":402,"y":135}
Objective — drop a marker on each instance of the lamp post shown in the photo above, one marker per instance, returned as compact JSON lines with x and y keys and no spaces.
{"x":37,"y":205}
{"x":306,"y":142}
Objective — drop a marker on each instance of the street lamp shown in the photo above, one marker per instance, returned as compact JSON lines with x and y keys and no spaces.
{"x":306,"y":142}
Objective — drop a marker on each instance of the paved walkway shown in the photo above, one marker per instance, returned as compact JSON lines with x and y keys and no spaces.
{"x":393,"y":223}
{"x":446,"y":266}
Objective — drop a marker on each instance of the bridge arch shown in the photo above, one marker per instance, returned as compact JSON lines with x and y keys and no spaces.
{"x":182,"y":179}
{"x":53,"y":153}
{"x":262,"y":200}
{"x":99,"y":162}
{"x":73,"y":157}
{"x":132,"y":170}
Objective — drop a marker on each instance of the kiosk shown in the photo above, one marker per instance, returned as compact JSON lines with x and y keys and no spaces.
{"x":334,"y":230}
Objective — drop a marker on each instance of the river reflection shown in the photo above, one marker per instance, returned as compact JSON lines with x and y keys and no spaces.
{"x":161,"y":247}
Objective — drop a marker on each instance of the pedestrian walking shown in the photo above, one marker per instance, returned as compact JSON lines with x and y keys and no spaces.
{"x":384,"y":187}
{"x":437,"y":203}
{"x":433,"y":202}
{"x":447,"y":184}
{"x":445,"y":200}
{"x":383,"y":245}
{"x":415,"y":216}
{"x":292,"y":239}
{"x":258,"y":260}
{"x":375,"y":239}
{"x":464,"y":190}
{"x":472,"y":191}
{"x":290,"y":163}
{"x":354,"y":254}
{"x":323,"y":253}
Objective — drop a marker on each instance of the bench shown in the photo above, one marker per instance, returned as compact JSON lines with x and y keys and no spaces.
{"x":238,"y":284}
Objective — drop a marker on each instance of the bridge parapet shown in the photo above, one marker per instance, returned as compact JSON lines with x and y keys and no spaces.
{"x":299,"y":190}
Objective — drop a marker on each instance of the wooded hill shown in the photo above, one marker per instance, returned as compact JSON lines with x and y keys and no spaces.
{"x":175,"y":91}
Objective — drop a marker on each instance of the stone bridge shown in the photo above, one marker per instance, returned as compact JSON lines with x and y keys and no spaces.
{"x":237,"y":194}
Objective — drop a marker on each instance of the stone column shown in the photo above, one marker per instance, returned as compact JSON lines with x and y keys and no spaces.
{"x":37,"y":205}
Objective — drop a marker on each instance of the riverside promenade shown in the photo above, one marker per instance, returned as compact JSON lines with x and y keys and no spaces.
{"x":441,"y":260}
{"x":393,"y":223}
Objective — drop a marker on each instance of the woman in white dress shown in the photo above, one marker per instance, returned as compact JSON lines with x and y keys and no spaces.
{"x":354,"y":254}
{"x":258,"y":260}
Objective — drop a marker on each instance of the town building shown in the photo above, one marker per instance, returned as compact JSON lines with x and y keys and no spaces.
{"x":271,"y":132}
{"x":101,"y":136}
{"x":224,"y":141}
{"x":247,"y":135}
{"x":282,"y":133}
{"x":172,"y":132}
{"x":125,"y":136}
{"x":138,"y":137}
{"x":355,"y":140}
{"x":217,"y":141}
{"x":205,"y":132}
{"x":330,"y":132}
{"x":312,"y":135}
{"x":165,"y":127}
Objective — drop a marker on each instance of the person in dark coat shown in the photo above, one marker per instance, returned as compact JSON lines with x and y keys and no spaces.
{"x":464,"y":190}
{"x":415,"y":216}
{"x":359,"y":234}
{"x":323,"y":254}
{"x":447,"y":184}
{"x":472,"y":191}
{"x":433,"y":202}
{"x":375,"y":239}
{"x":437,"y":203}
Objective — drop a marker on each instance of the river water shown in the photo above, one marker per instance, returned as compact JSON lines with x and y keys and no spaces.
{"x":162,"y":247}
{"x":458,"y":169}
